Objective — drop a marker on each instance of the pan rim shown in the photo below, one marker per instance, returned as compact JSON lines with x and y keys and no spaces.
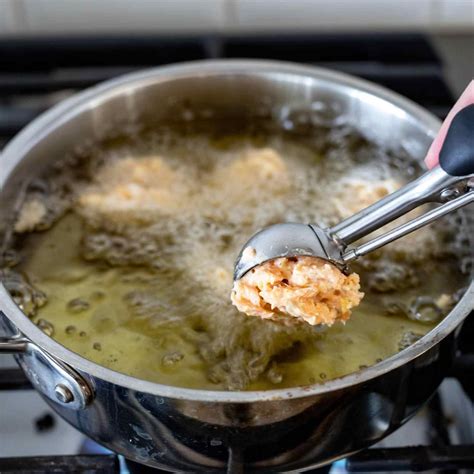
{"x":64,"y":111}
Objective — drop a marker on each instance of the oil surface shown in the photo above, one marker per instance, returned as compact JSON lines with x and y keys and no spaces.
{"x":149,"y":296}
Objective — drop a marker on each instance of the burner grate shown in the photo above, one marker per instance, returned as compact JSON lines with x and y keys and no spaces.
{"x":35,"y":73}
{"x":13,"y":379}
{"x":413,"y":459}
{"x":78,"y":464}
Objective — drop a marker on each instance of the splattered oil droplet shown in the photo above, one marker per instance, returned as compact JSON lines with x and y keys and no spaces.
{"x":83,"y":334}
{"x":322,"y":375}
{"x":363,"y":366}
{"x":96,"y":346}
{"x":78,"y":305}
{"x":70,"y":330}
{"x":46,"y":327}
{"x":312,"y":380}
{"x":172,"y":358}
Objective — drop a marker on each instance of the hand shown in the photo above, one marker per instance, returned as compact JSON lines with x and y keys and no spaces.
{"x":466,"y":99}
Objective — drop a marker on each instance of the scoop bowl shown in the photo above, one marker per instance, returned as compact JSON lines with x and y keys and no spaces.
{"x":287,"y":240}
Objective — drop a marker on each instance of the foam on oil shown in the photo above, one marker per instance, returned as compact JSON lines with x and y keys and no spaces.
{"x":143,"y":288}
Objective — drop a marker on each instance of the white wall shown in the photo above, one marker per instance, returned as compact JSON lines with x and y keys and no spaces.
{"x":166,"y":16}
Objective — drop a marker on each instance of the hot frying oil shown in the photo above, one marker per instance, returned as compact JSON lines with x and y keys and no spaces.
{"x":137,"y":268}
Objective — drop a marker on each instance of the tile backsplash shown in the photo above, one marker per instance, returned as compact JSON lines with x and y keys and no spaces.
{"x":19,"y":17}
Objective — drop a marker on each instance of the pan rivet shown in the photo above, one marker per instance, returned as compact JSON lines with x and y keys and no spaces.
{"x":448,"y":194}
{"x":63,"y":393}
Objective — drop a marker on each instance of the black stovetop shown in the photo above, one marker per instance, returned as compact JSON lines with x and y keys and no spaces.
{"x":36,"y":73}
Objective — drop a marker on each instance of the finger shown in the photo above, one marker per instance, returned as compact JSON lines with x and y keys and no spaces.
{"x":466,"y":98}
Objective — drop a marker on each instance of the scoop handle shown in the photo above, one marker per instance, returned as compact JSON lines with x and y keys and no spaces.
{"x":426,"y":188}
{"x":456,"y":164}
{"x":408,"y":227}
{"x":456,"y":156}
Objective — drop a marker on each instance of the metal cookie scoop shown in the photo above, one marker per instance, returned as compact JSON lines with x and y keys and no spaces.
{"x":451,"y":182}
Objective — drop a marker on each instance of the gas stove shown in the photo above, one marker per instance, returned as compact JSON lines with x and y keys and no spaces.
{"x":37,"y":73}
{"x":35,"y":440}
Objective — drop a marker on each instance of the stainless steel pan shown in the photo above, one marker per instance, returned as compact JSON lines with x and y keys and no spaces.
{"x":192,"y":430}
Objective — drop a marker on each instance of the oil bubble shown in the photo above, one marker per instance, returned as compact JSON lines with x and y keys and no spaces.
{"x":327,"y":113}
{"x":102,"y":322}
{"x":213,"y":376}
{"x":46,"y":327}
{"x":396,"y":308}
{"x":274,"y":375}
{"x":467,"y":265}
{"x":97,"y":295}
{"x":78,"y":305}
{"x":172,"y":358}
{"x":9,"y":258}
{"x":425,"y":310}
{"x":25,"y":295}
{"x":70,"y":330}
{"x":394,"y":277}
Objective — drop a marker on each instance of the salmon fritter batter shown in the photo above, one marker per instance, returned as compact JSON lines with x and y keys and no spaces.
{"x":298,"y":289}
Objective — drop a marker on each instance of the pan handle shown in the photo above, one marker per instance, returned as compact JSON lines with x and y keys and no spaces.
{"x":13,"y":345}
{"x":53,"y":378}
